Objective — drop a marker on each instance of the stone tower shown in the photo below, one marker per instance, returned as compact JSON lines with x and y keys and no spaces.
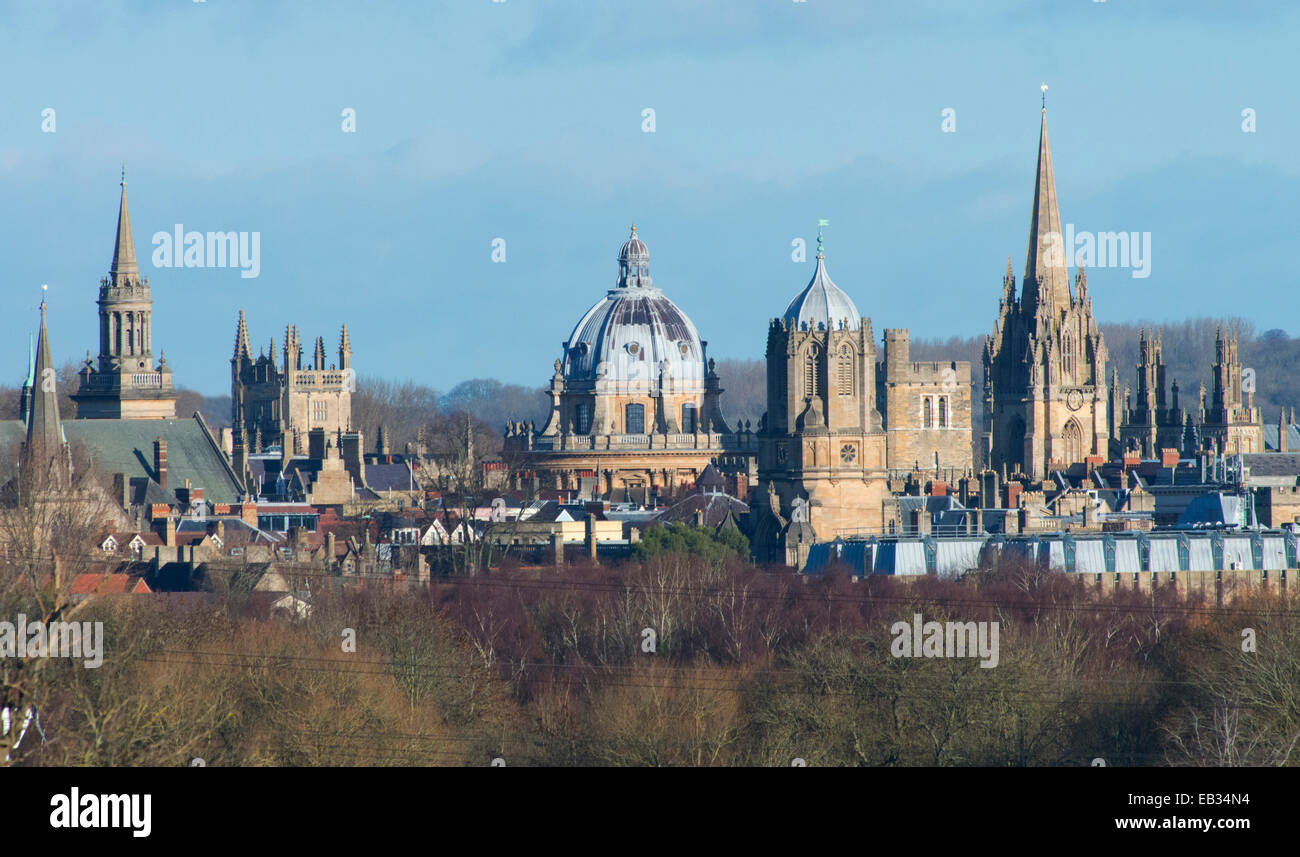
{"x":124,"y":383}
{"x":822,"y":443}
{"x":282,"y":402}
{"x":1151,"y":424}
{"x":1231,"y":422}
{"x":1045,"y":396}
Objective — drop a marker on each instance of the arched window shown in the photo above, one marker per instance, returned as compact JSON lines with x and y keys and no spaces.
{"x":635,"y":416}
{"x":1073,"y":442}
{"x":943,"y":412}
{"x":846,"y":371}
{"x":1067,"y":355}
{"x":688,"y":418}
{"x":810,"y":372}
{"x":582,"y":418}
{"x":927,"y":417}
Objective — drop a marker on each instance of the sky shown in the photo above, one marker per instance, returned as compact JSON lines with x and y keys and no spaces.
{"x":520,"y":126}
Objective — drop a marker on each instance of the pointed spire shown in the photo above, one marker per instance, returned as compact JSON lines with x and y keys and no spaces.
{"x":242,"y":349}
{"x":124,"y":264}
{"x":318,"y":359}
{"x":345,"y":349}
{"x":44,"y":431}
{"x":1046,"y":281}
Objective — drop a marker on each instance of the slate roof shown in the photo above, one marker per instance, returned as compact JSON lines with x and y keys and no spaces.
{"x":126,"y":446}
{"x":1272,"y":463}
{"x":385,"y":477}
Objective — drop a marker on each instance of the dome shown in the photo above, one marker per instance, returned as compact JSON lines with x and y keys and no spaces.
{"x":634,"y":333}
{"x":634,"y":254}
{"x":822,"y":304}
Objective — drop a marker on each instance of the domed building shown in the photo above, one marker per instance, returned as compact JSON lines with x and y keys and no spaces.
{"x":635,"y":399}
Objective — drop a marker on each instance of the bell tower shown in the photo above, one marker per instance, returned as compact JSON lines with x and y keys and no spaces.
{"x":124,"y":382}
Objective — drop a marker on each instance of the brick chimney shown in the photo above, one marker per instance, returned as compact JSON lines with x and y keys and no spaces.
{"x":160,"y":461}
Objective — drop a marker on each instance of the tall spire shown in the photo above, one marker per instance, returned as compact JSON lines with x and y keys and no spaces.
{"x":345,"y":349}
{"x":44,"y":431}
{"x":124,"y":264}
{"x":1046,"y":280}
{"x":242,"y":347}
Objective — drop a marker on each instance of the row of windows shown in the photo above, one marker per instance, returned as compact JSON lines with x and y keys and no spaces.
{"x":634,"y":418}
{"x":935,"y":412}
{"x":845,"y":374}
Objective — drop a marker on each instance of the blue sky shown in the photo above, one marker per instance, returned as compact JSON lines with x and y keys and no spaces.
{"x":522,"y":120}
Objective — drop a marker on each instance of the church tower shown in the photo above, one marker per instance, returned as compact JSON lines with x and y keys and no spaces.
{"x":822,"y":442}
{"x":124,"y":383}
{"x":1232,"y":423}
{"x":1045,"y":396}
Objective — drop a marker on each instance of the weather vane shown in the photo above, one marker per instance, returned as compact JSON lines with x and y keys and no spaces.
{"x":1044,"y":89}
{"x":820,"y":224}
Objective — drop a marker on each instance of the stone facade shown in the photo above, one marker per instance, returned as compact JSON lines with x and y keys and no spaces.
{"x":838,"y":421}
{"x":124,"y":382}
{"x":1045,"y":397}
{"x":282,"y":402}
{"x":1231,"y":423}
{"x":926,"y":408}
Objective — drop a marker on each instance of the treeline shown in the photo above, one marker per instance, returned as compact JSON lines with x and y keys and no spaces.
{"x":680,"y":660}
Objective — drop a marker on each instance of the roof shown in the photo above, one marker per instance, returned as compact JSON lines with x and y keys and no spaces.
{"x":126,"y":446}
{"x":90,"y":583}
{"x":822,"y":304}
{"x":635,"y":332}
{"x":716,"y":508}
{"x":388,"y":477}
{"x":1292,"y":435}
{"x":1272,"y":463}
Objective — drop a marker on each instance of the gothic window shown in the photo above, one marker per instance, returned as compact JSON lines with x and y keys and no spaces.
{"x":635,"y":416}
{"x":1073,"y":442}
{"x":810,"y":372}
{"x":943,"y":412}
{"x":688,"y":418}
{"x":927,"y":418}
{"x":319,"y":412}
{"x":582,"y":417}
{"x":1067,"y":355}
{"x":846,"y":371}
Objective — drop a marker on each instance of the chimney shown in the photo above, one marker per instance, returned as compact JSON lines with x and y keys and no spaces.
{"x":1282,"y":431}
{"x":1168,"y":458}
{"x":160,"y":462}
{"x":591,"y":538}
{"x":329,"y":549}
{"x":122,"y":489}
{"x":248,"y":512}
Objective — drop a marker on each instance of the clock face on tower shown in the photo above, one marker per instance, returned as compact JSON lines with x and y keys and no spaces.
{"x":848,"y":453}
{"x":1074,"y":400}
